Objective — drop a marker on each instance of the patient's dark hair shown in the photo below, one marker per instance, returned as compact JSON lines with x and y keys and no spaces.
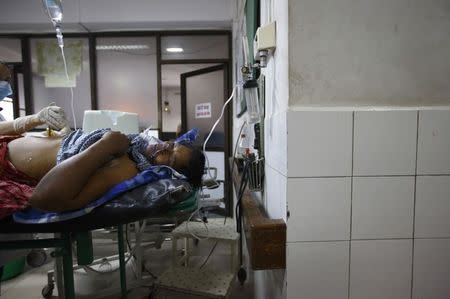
{"x":195,"y":169}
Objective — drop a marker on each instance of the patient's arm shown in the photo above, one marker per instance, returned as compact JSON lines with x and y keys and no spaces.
{"x":86,"y":176}
{"x":11,"y":127}
{"x":53,"y":116}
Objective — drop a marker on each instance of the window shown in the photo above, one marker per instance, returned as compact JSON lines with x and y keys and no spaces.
{"x":50,"y":84}
{"x":127,"y":77}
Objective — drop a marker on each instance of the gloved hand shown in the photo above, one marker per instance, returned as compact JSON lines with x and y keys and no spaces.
{"x":53,"y":116}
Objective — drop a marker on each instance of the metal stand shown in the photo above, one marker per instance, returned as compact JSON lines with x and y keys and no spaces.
{"x":197,"y":281}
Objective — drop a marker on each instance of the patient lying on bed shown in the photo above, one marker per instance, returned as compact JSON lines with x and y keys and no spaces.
{"x":81,"y":177}
{"x":87,"y":175}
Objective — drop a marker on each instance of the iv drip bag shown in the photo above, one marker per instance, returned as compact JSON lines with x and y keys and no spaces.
{"x":54,"y":11}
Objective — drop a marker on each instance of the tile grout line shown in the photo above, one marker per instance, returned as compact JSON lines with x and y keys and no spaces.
{"x":369,"y":176}
{"x":414,"y":207}
{"x":351,"y":206}
{"x":377,"y":239}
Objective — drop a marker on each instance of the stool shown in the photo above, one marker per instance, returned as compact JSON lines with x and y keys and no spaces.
{"x":208,"y":283}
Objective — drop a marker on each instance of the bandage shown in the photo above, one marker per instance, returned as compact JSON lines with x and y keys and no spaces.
{"x":53,"y":116}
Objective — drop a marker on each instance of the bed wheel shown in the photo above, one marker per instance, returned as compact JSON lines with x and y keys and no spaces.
{"x":242,"y":275}
{"x":36,"y":258}
{"x":47,"y":291}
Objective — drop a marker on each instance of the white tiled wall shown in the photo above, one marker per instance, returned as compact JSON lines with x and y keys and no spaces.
{"x":319,"y":209}
{"x":317,"y":270}
{"x":385,"y":142}
{"x":381,"y":269}
{"x":380,"y":179}
{"x":431,"y":269}
{"x":432,"y":207}
{"x":434,"y":142}
{"x":320,"y":142}
{"x":382,"y":207}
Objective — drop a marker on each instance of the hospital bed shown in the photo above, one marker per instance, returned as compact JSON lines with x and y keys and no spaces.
{"x":116,"y":213}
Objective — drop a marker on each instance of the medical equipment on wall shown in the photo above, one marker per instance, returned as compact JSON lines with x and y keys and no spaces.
{"x":54,"y":11}
{"x":252,"y":99}
{"x":263,"y":45}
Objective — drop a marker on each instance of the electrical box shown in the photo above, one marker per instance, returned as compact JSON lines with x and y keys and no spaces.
{"x":265,"y":37}
{"x":264,"y":41}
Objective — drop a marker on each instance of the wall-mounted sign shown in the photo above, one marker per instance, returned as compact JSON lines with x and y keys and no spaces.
{"x":203,"y":110}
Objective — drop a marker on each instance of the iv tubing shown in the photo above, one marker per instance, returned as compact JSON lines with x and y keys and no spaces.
{"x":71,"y":88}
{"x":214,"y":127}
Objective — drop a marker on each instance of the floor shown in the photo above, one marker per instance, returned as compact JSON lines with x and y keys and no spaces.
{"x":29,"y":285}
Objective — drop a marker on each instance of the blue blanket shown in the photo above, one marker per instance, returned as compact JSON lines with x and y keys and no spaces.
{"x":154,"y":173}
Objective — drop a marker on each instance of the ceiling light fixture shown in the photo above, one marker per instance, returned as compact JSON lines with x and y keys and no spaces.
{"x":174,"y":50}
{"x":122,"y":47}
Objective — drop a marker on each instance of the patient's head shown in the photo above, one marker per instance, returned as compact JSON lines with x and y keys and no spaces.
{"x":184,"y":158}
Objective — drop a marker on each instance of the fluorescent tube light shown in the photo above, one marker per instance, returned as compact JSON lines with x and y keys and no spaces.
{"x":121,"y":47}
{"x":174,"y":50}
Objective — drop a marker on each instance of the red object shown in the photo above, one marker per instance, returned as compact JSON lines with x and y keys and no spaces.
{"x":15,"y":187}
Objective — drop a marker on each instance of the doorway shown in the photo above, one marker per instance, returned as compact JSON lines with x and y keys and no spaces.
{"x":192,"y":97}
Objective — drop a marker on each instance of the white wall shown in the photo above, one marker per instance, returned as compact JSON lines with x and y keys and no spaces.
{"x":369,"y":53}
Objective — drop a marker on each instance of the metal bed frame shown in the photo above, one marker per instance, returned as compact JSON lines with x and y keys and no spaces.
{"x":63,"y":248}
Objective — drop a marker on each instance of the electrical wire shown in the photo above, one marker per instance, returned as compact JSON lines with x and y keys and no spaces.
{"x":214,"y":127}
{"x":241,"y":191}
{"x":236,"y":146}
{"x":131,"y":254}
{"x":131,"y":250}
{"x":243,"y":185}
{"x":209,"y":255}
{"x":204,"y":223}
{"x":234,"y":157}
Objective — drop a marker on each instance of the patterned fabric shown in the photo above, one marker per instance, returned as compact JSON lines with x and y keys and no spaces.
{"x":15,"y":187}
{"x":188,"y":137}
{"x":77,"y":141}
{"x":137,"y":147}
{"x":153,"y":174}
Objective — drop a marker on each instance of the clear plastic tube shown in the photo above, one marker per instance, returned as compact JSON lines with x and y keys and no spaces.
{"x":71,"y":88}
